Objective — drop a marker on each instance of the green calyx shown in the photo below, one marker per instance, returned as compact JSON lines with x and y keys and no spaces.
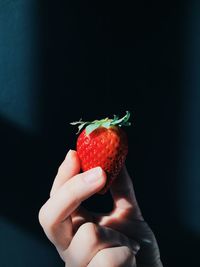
{"x":91,"y":126}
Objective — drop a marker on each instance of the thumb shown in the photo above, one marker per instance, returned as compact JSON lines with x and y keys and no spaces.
{"x":123,"y":194}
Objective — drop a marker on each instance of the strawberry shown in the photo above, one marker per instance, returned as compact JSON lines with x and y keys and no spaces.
{"x":103,"y":143}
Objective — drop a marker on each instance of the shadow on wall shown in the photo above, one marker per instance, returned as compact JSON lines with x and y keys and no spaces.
{"x":97,"y":61}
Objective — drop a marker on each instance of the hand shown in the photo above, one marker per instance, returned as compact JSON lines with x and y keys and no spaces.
{"x":88,"y":239}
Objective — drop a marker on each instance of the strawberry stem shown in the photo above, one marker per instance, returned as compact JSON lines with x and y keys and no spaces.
{"x":91,"y":126}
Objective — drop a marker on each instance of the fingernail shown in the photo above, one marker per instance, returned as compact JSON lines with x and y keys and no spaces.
{"x":93,"y":175}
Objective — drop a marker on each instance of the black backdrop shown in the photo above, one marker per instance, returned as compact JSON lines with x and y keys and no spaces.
{"x":63,"y":60}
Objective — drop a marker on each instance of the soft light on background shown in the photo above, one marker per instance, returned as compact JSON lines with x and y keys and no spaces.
{"x":63,"y":60}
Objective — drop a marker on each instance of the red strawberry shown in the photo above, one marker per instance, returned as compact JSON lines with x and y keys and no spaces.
{"x":103,"y":143}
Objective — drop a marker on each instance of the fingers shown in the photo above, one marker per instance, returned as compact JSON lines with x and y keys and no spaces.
{"x":65,"y":200}
{"x":123,"y":193}
{"x":91,"y":238}
{"x":69,"y":167}
{"x":73,"y":192}
{"x":114,"y":257}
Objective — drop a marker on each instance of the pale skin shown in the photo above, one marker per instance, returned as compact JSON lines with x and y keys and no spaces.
{"x":120,"y":238}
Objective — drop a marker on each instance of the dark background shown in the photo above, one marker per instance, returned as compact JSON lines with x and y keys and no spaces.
{"x":63,"y":60}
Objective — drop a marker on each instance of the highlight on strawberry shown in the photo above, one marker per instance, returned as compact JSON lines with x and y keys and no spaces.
{"x":103,"y":143}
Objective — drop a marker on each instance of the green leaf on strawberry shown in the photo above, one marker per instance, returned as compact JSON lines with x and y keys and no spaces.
{"x":91,"y":126}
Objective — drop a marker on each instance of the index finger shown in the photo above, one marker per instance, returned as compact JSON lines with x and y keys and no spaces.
{"x":67,"y":198}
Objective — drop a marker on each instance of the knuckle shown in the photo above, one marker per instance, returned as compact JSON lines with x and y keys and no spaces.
{"x":41,"y":216}
{"x":90,"y":233}
{"x":44,"y":218}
